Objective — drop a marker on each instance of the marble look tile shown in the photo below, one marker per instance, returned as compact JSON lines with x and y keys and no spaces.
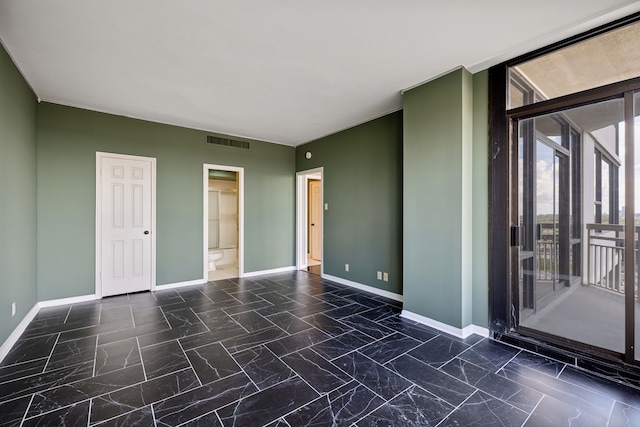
{"x":20,"y":370}
{"x":552,"y":412}
{"x":246,"y":297}
{"x":489,"y":354}
{"x":141,"y":395}
{"x":163,"y":358}
{"x":465,"y":371}
{"x":482,"y":410}
{"x":267,"y":405}
{"x":413,"y":407}
{"x":70,"y":416}
{"x":311,"y":309}
{"x":117,"y":355}
{"x":327,"y":324}
{"x":409,"y":328}
{"x":390,"y":347}
{"x":442,"y":385}
{"x":321,"y":374}
{"x":279,"y":423}
{"x":263,"y":367}
{"x":12,"y":411}
{"x":30,"y":349}
{"x":539,"y":363}
{"x":35,"y":383}
{"x":164,"y":336}
{"x":181,"y":317}
{"x":336,"y":300}
{"x":145,"y":316}
{"x":342,"y":344}
{"x":381,"y":380}
{"x":208,"y":420}
{"x":93,"y":331}
{"x":346,"y":311}
{"x":212,"y":362}
{"x":371,"y":328}
{"x":247,"y":341}
{"x":252,"y":321}
{"x":72,"y":353}
{"x":215,"y":335}
{"x":342,"y":407}
{"x":620,"y":392}
{"x":288,"y":322}
{"x":438,"y":351}
{"x":69,"y":394}
{"x":245,"y":307}
{"x":84,"y":312}
{"x":115,"y":314}
{"x":379,"y":313}
{"x":624,"y":416}
{"x":109,"y":337}
{"x":275,"y":298}
{"x":167,"y":297}
{"x":575,"y":396}
{"x":300,"y":340}
{"x":219,"y":296}
{"x":139,"y":417}
{"x":202,"y":400}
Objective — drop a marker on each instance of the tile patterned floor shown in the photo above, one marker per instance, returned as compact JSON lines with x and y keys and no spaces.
{"x":283,"y":350}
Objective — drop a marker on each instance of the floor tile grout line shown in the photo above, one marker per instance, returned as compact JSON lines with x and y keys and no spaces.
{"x":534,"y":409}
{"x":46,"y":365}
{"x":186,"y":356}
{"x":455,"y":408}
{"x":144,"y":371}
{"x":95,"y":357}
{"x":26,"y":411}
{"x":68,"y":312}
{"x":507,"y":362}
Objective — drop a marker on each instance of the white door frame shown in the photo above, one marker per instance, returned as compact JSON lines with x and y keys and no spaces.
{"x":302,"y":226}
{"x":205,"y":216}
{"x":98,"y":224}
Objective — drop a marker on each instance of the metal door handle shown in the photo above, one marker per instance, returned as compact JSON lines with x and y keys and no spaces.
{"x":146,"y":231}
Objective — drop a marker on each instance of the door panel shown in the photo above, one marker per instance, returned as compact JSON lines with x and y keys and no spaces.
{"x":571,"y":281}
{"x":315,"y":212}
{"x":125,"y":226}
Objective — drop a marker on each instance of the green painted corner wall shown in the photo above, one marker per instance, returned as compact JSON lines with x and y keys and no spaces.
{"x":68,"y":139}
{"x":438,"y":199}
{"x":362,"y":184}
{"x":480,"y":310}
{"x":18,"y":281}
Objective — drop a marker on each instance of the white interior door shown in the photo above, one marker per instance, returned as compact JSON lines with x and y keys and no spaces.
{"x":125,"y":224}
{"x":315,"y":223}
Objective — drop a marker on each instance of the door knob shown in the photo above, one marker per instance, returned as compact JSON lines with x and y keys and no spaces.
{"x":146,"y":231}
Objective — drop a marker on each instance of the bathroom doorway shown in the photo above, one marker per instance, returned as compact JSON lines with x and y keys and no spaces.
{"x":223,"y":222}
{"x":310,"y":208}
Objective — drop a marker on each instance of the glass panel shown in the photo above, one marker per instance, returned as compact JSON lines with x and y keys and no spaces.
{"x":571,"y":278}
{"x":608,"y":58}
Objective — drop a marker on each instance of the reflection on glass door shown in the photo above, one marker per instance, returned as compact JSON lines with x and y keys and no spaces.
{"x":571,"y":279}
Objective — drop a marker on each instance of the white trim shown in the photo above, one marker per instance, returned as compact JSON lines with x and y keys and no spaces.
{"x":362,"y":287}
{"x":302,"y":201}
{"x":205,"y":216}
{"x":451,"y":330}
{"x":180,"y":284}
{"x":22,"y":326}
{"x":98,"y":219}
{"x":66,"y":301}
{"x":272,"y":271}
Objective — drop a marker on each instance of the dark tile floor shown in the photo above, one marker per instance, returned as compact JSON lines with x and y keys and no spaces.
{"x":283,"y":350}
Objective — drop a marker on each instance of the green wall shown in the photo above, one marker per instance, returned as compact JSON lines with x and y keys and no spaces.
{"x":17,"y":196}
{"x":362,"y":184}
{"x":68,"y":139}
{"x":438,"y":199}
{"x":481,"y":199}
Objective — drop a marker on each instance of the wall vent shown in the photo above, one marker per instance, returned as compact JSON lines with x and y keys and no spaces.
{"x":227,"y":142}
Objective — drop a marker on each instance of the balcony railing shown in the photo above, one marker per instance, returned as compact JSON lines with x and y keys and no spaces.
{"x":605,"y":260}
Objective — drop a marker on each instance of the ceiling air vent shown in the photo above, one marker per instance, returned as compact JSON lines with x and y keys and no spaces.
{"x":227,"y":142}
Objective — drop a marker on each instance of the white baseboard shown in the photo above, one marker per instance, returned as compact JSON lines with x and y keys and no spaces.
{"x":451,"y":330}
{"x":272,"y":271}
{"x":22,"y":326}
{"x":65,"y":301}
{"x":366,"y":288}
{"x":179,"y":284}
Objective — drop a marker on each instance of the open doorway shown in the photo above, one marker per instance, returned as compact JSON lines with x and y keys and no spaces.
{"x":309,"y":203}
{"x":223,"y":222}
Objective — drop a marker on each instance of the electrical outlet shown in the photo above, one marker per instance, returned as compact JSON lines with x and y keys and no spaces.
{"x":13,"y":309}
{"x":346,"y":267}
{"x":326,"y":206}
{"x":379,"y":275}
{"x":385,"y":277}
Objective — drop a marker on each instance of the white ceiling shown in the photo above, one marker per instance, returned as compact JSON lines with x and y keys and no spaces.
{"x":285,"y":71}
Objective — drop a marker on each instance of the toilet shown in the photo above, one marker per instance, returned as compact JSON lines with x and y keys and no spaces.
{"x":214,"y":256}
